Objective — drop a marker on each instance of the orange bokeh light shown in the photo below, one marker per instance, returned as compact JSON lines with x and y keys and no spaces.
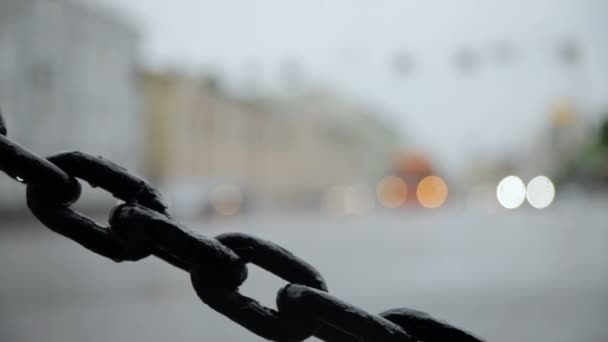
{"x":392,"y":192}
{"x":432,"y":192}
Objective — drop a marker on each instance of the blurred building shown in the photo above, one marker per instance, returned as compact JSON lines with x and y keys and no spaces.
{"x":67,"y":82}
{"x":283,"y":149}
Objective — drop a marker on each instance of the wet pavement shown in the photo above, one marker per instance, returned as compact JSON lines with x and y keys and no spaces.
{"x":518,"y":276}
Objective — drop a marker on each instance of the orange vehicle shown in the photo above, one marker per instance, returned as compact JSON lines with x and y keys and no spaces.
{"x":412,"y":181}
{"x":412,"y":168}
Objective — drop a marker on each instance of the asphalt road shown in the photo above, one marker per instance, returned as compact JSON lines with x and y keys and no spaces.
{"x":517,"y":276}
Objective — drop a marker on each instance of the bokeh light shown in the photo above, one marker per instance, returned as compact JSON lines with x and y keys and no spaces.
{"x":511,"y":192}
{"x":333,"y":201}
{"x":540,"y":192}
{"x":392,"y":192}
{"x":432,"y":192}
{"x":348,"y":200}
{"x":226,"y":199}
{"x":358,"y":199}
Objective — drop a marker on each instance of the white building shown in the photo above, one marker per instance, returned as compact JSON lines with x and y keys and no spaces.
{"x":67,"y":82}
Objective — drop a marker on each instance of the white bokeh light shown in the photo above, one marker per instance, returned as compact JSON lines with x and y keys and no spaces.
{"x":540,"y":192}
{"x":511,"y":192}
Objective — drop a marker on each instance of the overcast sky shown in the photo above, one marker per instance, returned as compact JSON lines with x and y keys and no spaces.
{"x":348,"y":46}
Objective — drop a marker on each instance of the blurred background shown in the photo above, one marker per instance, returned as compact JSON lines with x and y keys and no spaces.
{"x":450,"y":157}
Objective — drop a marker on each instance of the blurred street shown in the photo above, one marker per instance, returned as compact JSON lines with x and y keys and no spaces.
{"x":509,"y":276}
{"x":449,"y":157}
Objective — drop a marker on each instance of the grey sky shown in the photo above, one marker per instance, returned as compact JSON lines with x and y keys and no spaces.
{"x":347,"y":46}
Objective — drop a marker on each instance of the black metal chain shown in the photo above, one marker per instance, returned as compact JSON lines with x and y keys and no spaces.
{"x":142,"y":226}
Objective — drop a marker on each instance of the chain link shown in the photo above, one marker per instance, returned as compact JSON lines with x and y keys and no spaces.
{"x":142,"y":226}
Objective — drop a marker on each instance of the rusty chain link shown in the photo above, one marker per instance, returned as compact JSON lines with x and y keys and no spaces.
{"x":142,"y":226}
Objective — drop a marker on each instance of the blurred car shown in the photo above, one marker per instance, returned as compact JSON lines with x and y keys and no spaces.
{"x":412,"y":168}
{"x":195,"y":199}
